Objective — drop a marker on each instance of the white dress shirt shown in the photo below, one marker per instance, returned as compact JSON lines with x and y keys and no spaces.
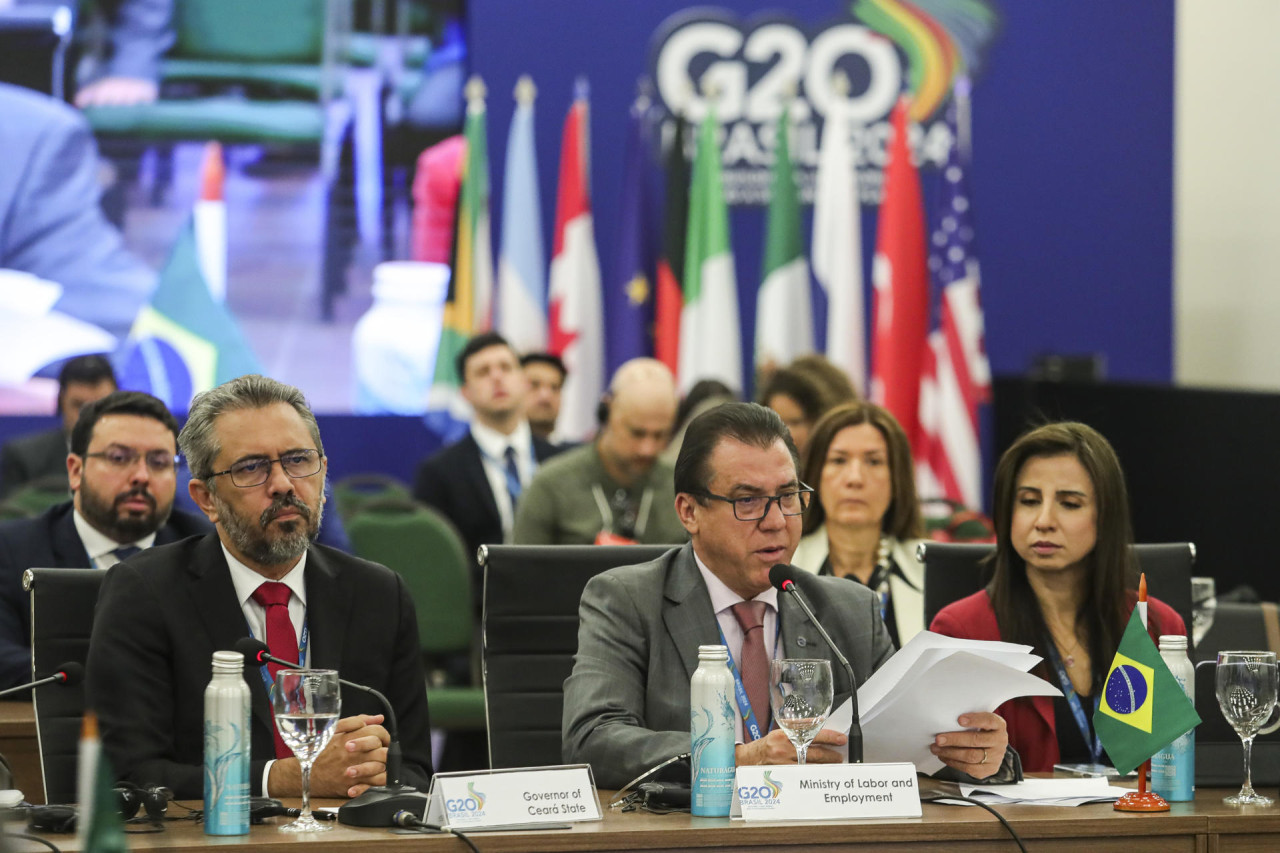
{"x":493,"y":456}
{"x":99,"y":546}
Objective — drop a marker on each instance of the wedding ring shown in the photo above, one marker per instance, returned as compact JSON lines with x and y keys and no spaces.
{"x":984,"y":756}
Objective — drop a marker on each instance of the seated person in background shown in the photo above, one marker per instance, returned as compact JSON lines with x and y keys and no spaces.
{"x":141,"y":31}
{"x":546,"y":374}
{"x":615,"y":488}
{"x":832,"y":381}
{"x":259,"y":473}
{"x":705,"y":394}
{"x":82,"y":380}
{"x":626,"y":704}
{"x":804,"y":391}
{"x":1063,"y":582}
{"x":121,"y":466}
{"x":477,"y":482}
{"x":864,"y":521}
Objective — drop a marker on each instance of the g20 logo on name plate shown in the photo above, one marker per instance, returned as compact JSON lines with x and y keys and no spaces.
{"x":465,"y":808}
{"x":765,"y":794}
{"x":749,"y":69}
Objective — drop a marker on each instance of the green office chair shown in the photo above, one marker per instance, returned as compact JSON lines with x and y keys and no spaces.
{"x":424,"y":548}
{"x":38,"y":495}
{"x":353,"y":492}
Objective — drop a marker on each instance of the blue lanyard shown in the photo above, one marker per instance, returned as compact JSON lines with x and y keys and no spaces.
{"x":267,"y":680}
{"x":1094,"y":744}
{"x":750,"y":723}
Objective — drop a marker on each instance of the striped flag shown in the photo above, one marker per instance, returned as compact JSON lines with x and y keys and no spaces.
{"x":466,"y":311}
{"x":669,"y":298}
{"x":957,"y":376}
{"x":710,"y":340}
{"x":629,"y":297}
{"x":901,"y":278}
{"x":210,"y":218}
{"x":522,"y":281}
{"x":837,"y":245}
{"x":99,"y":827}
{"x":576,"y":318}
{"x":784,"y":313}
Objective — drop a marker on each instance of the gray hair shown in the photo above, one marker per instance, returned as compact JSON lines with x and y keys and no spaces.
{"x":197,"y":439}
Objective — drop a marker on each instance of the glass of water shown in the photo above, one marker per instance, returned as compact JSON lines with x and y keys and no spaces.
{"x":306,"y":704}
{"x":1204,"y":604}
{"x":800,"y":692}
{"x":1246,"y":686}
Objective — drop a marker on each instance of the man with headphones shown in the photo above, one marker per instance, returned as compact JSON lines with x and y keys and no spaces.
{"x":613,"y":490}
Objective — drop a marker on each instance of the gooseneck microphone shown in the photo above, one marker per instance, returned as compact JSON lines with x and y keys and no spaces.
{"x":783,"y":577}
{"x":378,"y":805}
{"x":69,"y":673}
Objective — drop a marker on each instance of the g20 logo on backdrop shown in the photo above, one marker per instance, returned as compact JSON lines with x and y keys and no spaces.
{"x":749,"y":69}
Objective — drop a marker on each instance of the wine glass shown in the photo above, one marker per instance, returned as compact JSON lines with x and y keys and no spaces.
{"x":1246,"y":686}
{"x":800,"y":692}
{"x":306,"y":704}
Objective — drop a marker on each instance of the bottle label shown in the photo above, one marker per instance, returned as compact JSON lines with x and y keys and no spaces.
{"x":713,"y":754}
{"x":1173,"y":768}
{"x":226,"y":778}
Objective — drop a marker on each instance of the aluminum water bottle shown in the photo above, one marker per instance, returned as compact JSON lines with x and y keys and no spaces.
{"x":711,"y":706}
{"x":226,"y":747}
{"x":1173,"y":768}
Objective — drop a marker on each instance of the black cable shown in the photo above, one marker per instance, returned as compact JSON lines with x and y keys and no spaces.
{"x":956,"y":797}
{"x":27,"y":837}
{"x":432,"y":829}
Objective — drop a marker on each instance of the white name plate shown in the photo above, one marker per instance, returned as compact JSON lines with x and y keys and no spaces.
{"x":826,"y":792}
{"x":513,"y":797}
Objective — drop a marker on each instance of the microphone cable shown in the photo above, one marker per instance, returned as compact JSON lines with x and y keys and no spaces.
{"x":408,"y":820}
{"x":951,"y":799}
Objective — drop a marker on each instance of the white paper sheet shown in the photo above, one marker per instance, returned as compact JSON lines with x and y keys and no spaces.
{"x":33,"y":335}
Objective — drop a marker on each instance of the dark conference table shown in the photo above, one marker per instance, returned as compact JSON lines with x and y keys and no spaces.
{"x":1205,"y":826}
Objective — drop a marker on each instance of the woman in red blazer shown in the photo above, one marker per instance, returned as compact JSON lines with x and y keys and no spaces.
{"x":1063,"y":583}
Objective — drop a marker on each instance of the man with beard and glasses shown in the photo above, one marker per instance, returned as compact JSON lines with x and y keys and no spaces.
{"x":121,"y":471}
{"x":258,"y":472}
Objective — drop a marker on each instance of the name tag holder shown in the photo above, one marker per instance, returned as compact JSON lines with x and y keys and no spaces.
{"x":825,"y":792}
{"x":513,"y":797}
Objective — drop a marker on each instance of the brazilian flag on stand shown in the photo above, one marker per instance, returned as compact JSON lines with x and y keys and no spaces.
{"x":1142,"y":709}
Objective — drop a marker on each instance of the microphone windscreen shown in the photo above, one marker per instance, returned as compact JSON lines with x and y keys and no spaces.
{"x":252,"y":649}
{"x":72,"y":672}
{"x":780,"y":574}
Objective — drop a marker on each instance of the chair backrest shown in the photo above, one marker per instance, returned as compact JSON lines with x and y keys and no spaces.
{"x":953,"y":571}
{"x":352,"y":492}
{"x":425,"y":549}
{"x":250,"y":30}
{"x":530,"y":629}
{"x":62,"y":604}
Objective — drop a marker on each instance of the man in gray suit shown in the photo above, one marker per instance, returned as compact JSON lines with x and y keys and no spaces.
{"x":627,"y":700}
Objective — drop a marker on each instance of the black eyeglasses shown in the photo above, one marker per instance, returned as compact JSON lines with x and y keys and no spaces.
{"x":255,"y":470}
{"x":158,"y":461}
{"x":756,"y":507}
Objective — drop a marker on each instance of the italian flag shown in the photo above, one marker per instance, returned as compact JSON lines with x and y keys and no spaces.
{"x":784,"y":315}
{"x":710,"y":341}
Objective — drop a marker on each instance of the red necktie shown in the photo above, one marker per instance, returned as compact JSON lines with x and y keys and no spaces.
{"x":754,"y":660}
{"x":283,"y":642}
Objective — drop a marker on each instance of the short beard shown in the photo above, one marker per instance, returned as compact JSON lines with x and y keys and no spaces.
{"x":252,"y":541}
{"x":104,"y":515}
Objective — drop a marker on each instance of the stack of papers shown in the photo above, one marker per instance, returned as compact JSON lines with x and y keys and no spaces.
{"x":1047,"y":792}
{"x":924,"y":688}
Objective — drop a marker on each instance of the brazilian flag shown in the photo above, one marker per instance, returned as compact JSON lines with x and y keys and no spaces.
{"x":1143,"y":708}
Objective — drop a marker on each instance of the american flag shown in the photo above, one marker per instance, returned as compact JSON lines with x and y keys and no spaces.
{"x":957,"y":377}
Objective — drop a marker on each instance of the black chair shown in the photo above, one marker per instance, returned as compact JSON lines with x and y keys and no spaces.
{"x":953,"y":571}
{"x":530,"y":627}
{"x":62,"y":604}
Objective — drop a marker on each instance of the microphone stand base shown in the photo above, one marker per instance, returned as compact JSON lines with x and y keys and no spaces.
{"x":378,"y":806}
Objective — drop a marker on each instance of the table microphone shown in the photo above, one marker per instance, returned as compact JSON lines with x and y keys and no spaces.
{"x":378,"y":805}
{"x":67,"y":673}
{"x":783,"y":577}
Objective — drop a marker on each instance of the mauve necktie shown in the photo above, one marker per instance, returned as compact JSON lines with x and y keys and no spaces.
{"x":754,"y":660}
{"x":281,"y":638}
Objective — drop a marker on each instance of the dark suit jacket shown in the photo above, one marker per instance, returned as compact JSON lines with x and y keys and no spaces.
{"x":626,"y":704}
{"x":453,"y":481}
{"x":30,"y":457}
{"x":163,"y":613}
{"x":50,"y":541}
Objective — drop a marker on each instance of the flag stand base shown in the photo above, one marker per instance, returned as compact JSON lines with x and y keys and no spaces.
{"x":1142,"y":801}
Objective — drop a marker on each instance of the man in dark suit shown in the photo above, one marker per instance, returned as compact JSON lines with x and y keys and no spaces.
{"x":258,"y":473}
{"x":626,"y":704}
{"x":44,"y":454}
{"x":121,"y":468}
{"x":476,"y":481}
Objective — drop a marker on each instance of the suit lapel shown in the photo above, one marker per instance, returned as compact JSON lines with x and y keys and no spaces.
{"x":68,"y":550}
{"x":327,"y":611}
{"x":688,"y":606}
{"x":474,"y":474}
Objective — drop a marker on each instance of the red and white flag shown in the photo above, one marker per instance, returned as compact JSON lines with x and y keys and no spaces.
{"x":957,"y":377}
{"x":576,"y":318}
{"x":209,"y":217}
{"x":901,"y":279}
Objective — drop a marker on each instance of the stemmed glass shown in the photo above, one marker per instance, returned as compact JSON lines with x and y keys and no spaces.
{"x":800,"y":691}
{"x":306,"y":704}
{"x":1246,"y":686}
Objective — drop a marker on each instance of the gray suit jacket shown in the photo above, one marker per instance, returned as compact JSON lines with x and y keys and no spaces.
{"x":626,"y":704}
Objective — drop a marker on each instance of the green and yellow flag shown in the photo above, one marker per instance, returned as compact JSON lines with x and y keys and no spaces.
{"x":1142,"y":708}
